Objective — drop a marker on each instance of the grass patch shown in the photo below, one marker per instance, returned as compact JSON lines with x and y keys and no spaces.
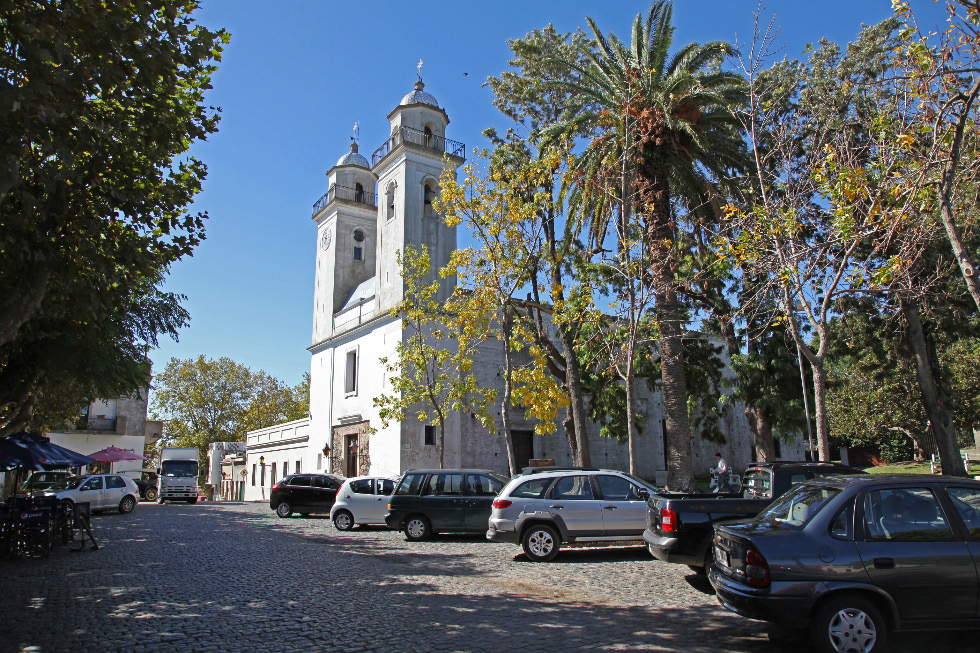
{"x":910,"y":467}
{"x":914,"y":467}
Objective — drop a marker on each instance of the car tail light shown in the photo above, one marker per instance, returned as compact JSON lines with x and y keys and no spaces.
{"x":275,"y":487}
{"x":502,"y":503}
{"x":669,"y":523}
{"x":756,"y":569}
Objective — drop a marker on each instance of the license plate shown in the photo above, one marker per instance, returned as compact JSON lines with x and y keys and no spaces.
{"x":723,"y":558}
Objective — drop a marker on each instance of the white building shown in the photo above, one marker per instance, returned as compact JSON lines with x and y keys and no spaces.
{"x":372,"y":210}
{"x":120,"y":422}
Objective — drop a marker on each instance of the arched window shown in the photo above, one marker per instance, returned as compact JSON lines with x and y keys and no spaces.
{"x":390,"y":202}
{"x":428,"y":140}
{"x":427,"y":195}
{"x":358,"y":193}
{"x":358,"y":245}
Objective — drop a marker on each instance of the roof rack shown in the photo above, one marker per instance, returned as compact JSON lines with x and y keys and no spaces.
{"x":555,"y":468}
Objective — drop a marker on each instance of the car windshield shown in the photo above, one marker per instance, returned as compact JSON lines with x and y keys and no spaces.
{"x":180,"y":468}
{"x":71,"y":482}
{"x":639,"y":481}
{"x":798,"y":506}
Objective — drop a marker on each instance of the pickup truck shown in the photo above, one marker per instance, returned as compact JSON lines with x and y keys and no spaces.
{"x":679,"y":526}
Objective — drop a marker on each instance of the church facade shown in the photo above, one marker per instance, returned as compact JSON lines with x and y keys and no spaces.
{"x":372,"y":211}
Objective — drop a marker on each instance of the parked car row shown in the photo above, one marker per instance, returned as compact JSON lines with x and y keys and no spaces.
{"x":852,"y":557}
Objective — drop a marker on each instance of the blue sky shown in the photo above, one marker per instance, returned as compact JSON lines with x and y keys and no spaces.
{"x":298,"y":74}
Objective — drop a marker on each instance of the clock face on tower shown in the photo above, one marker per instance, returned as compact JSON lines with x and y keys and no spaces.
{"x":325,"y":239}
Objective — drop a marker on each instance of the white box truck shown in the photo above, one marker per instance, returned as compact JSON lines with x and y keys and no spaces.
{"x":177,"y":475}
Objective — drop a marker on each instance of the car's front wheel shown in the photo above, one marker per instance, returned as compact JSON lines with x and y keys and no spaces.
{"x":343,"y":520}
{"x":284,"y":509}
{"x":417,"y":528}
{"x":849,"y":623}
{"x":540,"y":543}
{"x":151,"y":494}
{"x":127,"y":504}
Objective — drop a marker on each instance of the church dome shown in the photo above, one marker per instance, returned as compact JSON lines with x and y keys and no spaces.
{"x":418,"y":96}
{"x":352,"y":158}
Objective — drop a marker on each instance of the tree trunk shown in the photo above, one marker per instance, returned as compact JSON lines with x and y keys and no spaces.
{"x":659,"y":238}
{"x":578,"y":437}
{"x":820,"y":409}
{"x":505,"y":399}
{"x":631,"y":431}
{"x":933,"y":397}
{"x":945,"y":190}
{"x":760,"y":421}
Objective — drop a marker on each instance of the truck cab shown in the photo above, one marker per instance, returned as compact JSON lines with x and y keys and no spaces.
{"x":177,"y":474}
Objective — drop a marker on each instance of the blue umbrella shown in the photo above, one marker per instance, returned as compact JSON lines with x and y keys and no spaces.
{"x":26,"y":451}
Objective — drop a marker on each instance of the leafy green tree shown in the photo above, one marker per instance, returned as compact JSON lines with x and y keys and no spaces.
{"x":99,"y":103}
{"x":504,"y":218}
{"x":526,"y":95}
{"x":663,"y":127}
{"x":431,"y":374}
{"x":203,"y":400}
{"x":57,"y":366}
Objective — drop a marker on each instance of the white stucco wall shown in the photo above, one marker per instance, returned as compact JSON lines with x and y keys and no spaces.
{"x":282,"y":445}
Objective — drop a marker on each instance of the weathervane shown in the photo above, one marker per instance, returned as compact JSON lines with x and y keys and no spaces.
{"x":420,"y":69}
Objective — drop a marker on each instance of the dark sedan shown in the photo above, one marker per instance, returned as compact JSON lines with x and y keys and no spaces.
{"x":305,"y":494}
{"x":855,"y":558}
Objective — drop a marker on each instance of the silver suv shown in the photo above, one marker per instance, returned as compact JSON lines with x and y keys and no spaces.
{"x":540,"y":509}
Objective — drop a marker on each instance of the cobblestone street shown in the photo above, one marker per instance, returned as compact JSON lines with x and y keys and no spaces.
{"x":233,"y":577}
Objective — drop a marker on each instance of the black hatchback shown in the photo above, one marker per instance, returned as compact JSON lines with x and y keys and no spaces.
{"x":855,"y":558}
{"x":426,"y":502}
{"x":305,"y":494}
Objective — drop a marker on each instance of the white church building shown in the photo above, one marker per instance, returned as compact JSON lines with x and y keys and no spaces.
{"x":370,"y":213}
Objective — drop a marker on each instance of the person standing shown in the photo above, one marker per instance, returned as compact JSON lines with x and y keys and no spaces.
{"x":721,"y":469}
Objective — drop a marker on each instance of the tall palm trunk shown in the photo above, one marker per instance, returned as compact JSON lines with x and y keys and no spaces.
{"x":659,"y":236}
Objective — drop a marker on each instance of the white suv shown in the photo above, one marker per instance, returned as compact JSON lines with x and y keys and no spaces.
{"x":101,"y":492}
{"x":540,"y":509}
{"x":361,"y":500}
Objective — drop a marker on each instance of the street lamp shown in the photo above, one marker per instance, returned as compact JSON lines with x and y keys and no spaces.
{"x":326,"y":450}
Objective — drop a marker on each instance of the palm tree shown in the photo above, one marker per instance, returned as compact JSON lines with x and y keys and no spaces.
{"x":663,"y":130}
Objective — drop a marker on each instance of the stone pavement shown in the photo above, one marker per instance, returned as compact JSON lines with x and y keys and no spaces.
{"x":233,"y":577}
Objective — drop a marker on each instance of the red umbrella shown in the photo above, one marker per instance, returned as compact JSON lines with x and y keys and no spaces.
{"x":114,"y":455}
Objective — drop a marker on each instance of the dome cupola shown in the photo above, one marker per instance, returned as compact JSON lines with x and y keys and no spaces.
{"x":352,"y":158}
{"x":419,"y":96}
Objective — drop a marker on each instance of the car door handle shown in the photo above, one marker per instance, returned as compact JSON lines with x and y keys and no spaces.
{"x":884,"y":563}
{"x":557,"y":506}
{"x":609,"y":507}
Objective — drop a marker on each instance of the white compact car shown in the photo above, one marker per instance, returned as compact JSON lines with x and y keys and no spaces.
{"x":101,"y":492}
{"x":361,"y":500}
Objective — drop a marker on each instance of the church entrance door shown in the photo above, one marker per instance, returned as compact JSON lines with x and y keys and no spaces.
{"x":351,"y":454}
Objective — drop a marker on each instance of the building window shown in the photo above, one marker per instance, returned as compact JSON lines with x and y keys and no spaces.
{"x":296,"y":471}
{"x":285,"y":469}
{"x":430,"y":434}
{"x":350,"y":377}
{"x":359,"y":193}
{"x":428,"y":193}
{"x":319,"y":461}
{"x":358,"y":245}
{"x":263,"y":475}
{"x":273,"y":480}
{"x":390,"y":202}
{"x":253,"y":474}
